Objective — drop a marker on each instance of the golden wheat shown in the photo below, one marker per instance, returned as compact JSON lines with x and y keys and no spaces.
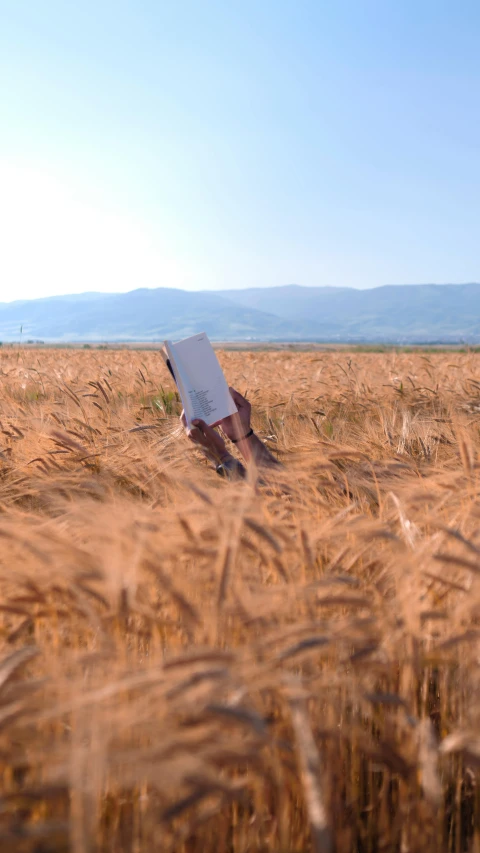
{"x":287,"y":664}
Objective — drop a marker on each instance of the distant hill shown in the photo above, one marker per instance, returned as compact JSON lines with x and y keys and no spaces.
{"x":425,"y":313}
{"x":410,"y":313}
{"x":140,"y":315}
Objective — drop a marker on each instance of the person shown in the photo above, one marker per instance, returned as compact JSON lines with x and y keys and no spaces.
{"x":238,"y":430}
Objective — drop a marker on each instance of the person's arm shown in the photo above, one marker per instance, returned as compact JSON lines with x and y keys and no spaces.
{"x":238,"y":429}
{"x":214,"y":448}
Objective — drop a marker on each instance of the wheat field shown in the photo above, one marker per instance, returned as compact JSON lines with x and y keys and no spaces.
{"x":289,"y":663}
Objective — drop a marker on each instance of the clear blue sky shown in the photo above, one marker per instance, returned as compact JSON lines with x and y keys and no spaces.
{"x":225,"y":144}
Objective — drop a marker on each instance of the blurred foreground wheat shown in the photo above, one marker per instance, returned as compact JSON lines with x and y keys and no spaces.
{"x":194,"y":665}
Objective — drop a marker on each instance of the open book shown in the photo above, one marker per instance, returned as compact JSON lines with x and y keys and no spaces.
{"x":199,"y":379}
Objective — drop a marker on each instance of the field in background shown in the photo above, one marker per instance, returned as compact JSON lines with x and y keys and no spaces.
{"x":194,"y":665}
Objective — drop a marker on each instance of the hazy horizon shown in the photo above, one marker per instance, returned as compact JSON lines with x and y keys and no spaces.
{"x":6,"y":301}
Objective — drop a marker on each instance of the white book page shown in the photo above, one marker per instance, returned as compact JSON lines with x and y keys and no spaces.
{"x":202,"y":385}
{"x":179,"y":376}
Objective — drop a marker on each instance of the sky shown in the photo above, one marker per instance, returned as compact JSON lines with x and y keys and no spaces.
{"x":205,"y":145}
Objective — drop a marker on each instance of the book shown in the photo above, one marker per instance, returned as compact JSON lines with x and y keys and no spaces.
{"x":199,"y":378}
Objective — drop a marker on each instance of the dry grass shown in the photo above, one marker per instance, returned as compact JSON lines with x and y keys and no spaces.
{"x":193,"y":665}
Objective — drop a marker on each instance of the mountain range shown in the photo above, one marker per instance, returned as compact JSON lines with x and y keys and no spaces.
{"x":423,"y":313}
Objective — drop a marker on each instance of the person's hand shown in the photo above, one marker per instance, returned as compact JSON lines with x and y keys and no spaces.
{"x":237,"y":425}
{"x":206,"y":437}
